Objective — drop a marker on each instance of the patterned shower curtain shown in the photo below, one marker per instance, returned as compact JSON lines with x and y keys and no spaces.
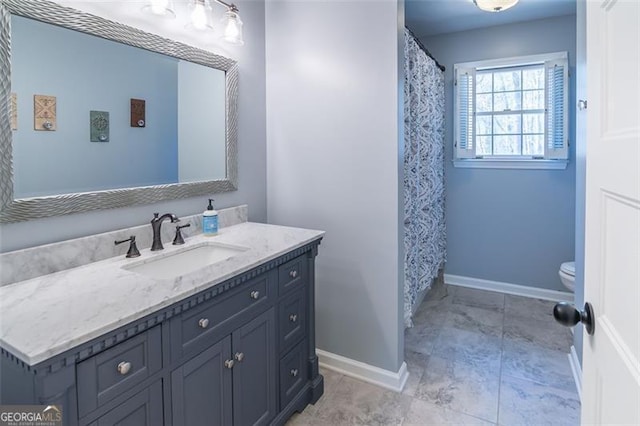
{"x":424,"y":226}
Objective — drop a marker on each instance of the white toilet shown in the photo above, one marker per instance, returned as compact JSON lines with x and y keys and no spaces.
{"x":567,"y":274}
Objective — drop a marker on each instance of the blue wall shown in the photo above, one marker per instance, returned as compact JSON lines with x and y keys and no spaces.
{"x":513,"y":226}
{"x":89,"y":73}
{"x":201,"y":118}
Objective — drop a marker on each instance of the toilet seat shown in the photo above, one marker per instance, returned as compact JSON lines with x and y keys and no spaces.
{"x":569,"y":268}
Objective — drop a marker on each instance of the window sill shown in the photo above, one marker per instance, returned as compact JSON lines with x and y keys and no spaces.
{"x":485,"y":163}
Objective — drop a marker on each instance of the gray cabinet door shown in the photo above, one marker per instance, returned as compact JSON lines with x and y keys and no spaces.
{"x":143,"y":409}
{"x":201,"y":388}
{"x":254,"y":372}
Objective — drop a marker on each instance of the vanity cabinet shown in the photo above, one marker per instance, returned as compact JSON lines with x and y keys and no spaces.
{"x":241,"y":352}
{"x":233,"y":379}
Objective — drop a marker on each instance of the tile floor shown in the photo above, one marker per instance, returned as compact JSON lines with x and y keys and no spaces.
{"x":474,"y":357}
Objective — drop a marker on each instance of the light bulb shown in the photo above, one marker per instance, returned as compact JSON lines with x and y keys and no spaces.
{"x":199,"y":16}
{"x":495,"y":5}
{"x":162,"y":8}
{"x":159,"y":7}
{"x":232,"y":28}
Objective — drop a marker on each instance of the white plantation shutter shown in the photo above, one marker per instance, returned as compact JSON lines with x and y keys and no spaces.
{"x":556,"y":144}
{"x":465,"y":117}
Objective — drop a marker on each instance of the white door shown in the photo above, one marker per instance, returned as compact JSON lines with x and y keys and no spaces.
{"x":611,"y":357}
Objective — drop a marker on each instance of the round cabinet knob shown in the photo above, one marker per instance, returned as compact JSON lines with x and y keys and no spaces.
{"x":293,"y":273}
{"x":294,"y":372}
{"x":47,"y":125}
{"x":203,"y":323}
{"x":229,"y":363}
{"x":239,"y":356}
{"x":102,"y":137}
{"x":293,"y":317}
{"x":567,"y":315}
{"x":255,"y":294}
{"x":124,"y":368}
{"x":140,"y":123}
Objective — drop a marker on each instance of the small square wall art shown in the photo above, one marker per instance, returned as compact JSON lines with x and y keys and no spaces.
{"x":138,"y":113}
{"x":44,"y":113}
{"x":99,"y":124}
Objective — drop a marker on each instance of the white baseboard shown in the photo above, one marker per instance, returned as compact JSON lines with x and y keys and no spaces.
{"x":515,"y":289}
{"x":394,"y":381}
{"x":576,"y":369}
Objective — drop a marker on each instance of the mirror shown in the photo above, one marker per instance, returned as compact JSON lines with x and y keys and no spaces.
{"x":177,"y":135}
{"x":99,"y":148}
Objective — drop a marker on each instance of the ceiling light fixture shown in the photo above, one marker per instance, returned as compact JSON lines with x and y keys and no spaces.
{"x":495,"y":5}
{"x":200,"y":17}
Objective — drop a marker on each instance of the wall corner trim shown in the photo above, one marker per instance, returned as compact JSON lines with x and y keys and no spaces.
{"x":394,"y":381}
{"x":576,"y":369}
{"x":515,"y":289}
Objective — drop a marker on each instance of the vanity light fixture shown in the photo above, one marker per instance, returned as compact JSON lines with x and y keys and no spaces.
{"x":200,"y":17}
{"x":232,"y":25}
{"x":495,"y":5}
{"x":162,"y":8}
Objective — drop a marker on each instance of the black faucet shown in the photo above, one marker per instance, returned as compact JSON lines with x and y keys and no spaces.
{"x":156,"y":222}
{"x":179,"y":239}
{"x":133,"y":248}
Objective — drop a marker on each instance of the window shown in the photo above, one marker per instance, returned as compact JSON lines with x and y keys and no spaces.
{"x":512,"y":112}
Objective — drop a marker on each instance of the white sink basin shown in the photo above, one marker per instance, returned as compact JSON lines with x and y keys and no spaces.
{"x":176,"y":264}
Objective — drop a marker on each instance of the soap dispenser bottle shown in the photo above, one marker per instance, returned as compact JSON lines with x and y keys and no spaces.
{"x":210,"y":220}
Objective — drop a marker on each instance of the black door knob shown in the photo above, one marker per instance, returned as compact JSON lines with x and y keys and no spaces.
{"x":567,"y":315}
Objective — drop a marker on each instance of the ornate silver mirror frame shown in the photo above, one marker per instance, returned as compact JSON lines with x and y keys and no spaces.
{"x":29,"y":208}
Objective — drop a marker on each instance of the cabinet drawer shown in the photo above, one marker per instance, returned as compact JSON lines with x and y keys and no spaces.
{"x":143,"y":409}
{"x":292,"y":319}
{"x":293,"y":373}
{"x":197,"y":329}
{"x":292,"y":274}
{"x":107,"y":374}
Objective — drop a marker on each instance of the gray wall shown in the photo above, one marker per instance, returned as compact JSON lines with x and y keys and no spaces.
{"x":513,"y":226}
{"x":89,"y":73}
{"x":581,"y":163}
{"x":251,"y":142}
{"x":333,"y":91}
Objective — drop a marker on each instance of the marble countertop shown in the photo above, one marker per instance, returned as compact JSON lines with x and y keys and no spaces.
{"x":46,"y":316}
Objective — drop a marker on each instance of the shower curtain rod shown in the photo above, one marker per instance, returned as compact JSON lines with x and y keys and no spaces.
{"x":425,"y":50}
